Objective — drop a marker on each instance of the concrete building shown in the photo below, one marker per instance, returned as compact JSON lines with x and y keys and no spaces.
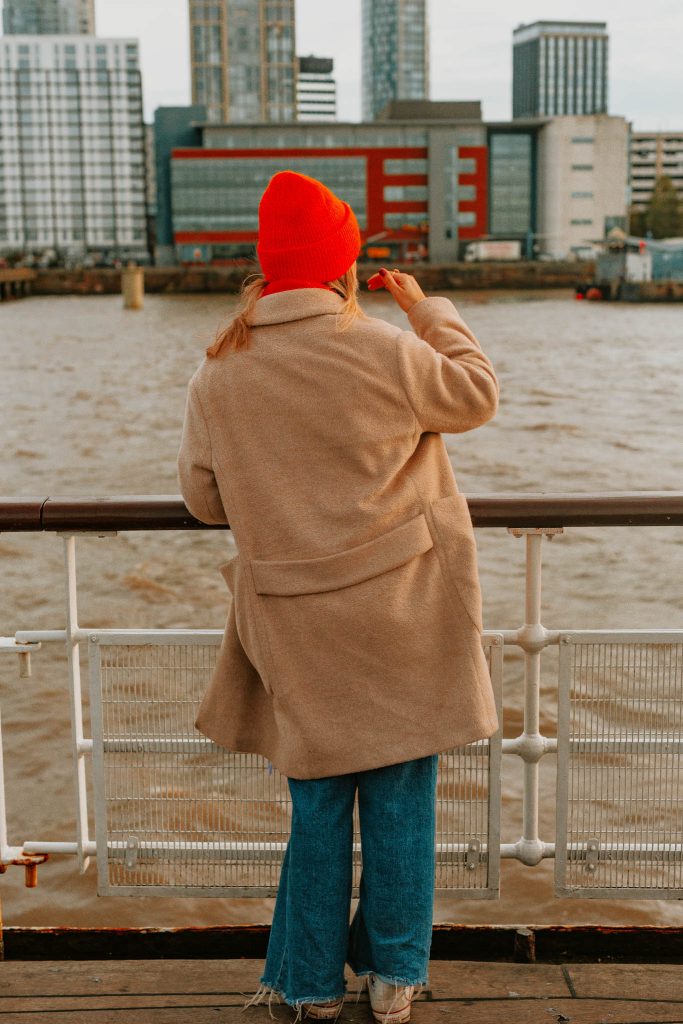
{"x":72,"y":148}
{"x":316,"y":90}
{"x":48,"y":17}
{"x":559,"y":68}
{"x":654,"y":154}
{"x":395,"y":58}
{"x":242,"y":56}
{"x":417,"y":187}
{"x":173,"y":127}
{"x":424,"y":181}
{"x":583,"y":182}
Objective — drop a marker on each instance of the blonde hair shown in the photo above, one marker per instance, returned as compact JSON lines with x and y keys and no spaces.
{"x":235,"y":335}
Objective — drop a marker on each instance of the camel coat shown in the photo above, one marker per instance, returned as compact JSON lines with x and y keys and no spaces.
{"x":353,"y":639}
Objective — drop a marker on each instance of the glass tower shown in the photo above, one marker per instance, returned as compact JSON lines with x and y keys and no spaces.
{"x":395,"y":53}
{"x":243,"y":59}
{"x":48,"y":17}
{"x":72,"y":148}
{"x":559,"y":68}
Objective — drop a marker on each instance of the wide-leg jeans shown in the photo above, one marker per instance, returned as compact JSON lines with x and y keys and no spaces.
{"x":390,"y":934}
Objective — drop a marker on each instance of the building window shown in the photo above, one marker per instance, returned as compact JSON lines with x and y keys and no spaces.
{"x":581,"y":220}
{"x":402,"y":220}
{"x":405,"y":193}
{"x":582,"y":195}
{"x":582,"y":167}
{"x":467,"y":165}
{"x":583,"y":138}
{"x":467,"y":192}
{"x":411,"y":166}
{"x":467,"y":218}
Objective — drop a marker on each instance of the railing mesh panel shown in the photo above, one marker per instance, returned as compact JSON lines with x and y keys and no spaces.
{"x":620,"y":766}
{"x":178,"y":814}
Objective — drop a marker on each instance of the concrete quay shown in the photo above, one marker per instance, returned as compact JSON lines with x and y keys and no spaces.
{"x":433,"y":278}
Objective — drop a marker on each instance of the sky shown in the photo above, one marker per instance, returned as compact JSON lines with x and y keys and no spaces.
{"x":471,"y":50}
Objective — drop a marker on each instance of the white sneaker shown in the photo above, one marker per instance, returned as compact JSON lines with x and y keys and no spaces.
{"x":390,"y":1003}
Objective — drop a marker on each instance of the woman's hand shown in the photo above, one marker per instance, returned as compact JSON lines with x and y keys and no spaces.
{"x":403,"y":287}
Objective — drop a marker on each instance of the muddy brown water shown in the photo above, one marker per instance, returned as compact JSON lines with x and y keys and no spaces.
{"x":92,"y":400}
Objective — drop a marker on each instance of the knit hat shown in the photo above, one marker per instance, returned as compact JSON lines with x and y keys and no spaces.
{"x":305,"y":231}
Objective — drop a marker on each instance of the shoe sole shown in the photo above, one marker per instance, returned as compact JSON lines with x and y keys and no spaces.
{"x":323,"y":1012}
{"x":398,"y":1016}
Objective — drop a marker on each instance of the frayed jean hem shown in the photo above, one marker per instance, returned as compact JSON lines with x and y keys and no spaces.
{"x":267,"y":992}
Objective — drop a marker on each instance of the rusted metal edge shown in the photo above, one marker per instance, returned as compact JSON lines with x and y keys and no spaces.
{"x":549,"y":944}
{"x":168,"y":511}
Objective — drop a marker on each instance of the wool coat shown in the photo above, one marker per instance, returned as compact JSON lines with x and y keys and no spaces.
{"x":353,"y":638}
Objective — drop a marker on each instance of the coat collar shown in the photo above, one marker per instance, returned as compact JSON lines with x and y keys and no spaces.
{"x":296,"y":304}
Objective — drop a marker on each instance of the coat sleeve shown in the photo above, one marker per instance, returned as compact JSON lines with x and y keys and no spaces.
{"x":449,"y":382}
{"x":195,"y":471}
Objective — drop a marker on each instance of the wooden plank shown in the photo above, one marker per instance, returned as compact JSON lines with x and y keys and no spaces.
{"x":627,"y":981}
{"x":534,"y":1011}
{"x":463,"y":979}
{"x":460,"y":978}
{"x":456,"y":1011}
{"x":97,"y":977}
{"x":462,"y":992}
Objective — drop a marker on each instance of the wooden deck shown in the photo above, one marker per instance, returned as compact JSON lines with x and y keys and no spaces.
{"x":464,"y":992}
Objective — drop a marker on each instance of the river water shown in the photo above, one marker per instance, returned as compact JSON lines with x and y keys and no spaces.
{"x":92,"y":401}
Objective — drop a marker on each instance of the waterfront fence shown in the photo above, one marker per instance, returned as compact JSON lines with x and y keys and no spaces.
{"x":176,"y":814}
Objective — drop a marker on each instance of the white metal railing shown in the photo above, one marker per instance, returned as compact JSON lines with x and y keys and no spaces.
{"x":175,"y":814}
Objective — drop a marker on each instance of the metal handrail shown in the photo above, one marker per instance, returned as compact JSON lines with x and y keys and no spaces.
{"x":168,"y":511}
{"x":532,"y":516}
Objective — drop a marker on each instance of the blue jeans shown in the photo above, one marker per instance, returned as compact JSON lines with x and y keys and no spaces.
{"x":391,"y":931}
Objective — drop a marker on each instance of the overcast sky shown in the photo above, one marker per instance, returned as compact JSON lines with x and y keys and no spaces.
{"x":470,"y":50}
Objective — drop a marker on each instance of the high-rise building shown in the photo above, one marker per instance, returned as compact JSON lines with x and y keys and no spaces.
{"x":316,"y":90}
{"x":653,"y":155}
{"x":72,"y":148}
{"x":559,"y":67}
{"x":48,"y":17}
{"x":243,"y":59}
{"x":395,"y":53}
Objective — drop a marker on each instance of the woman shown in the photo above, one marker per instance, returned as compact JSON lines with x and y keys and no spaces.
{"x":352,"y":654}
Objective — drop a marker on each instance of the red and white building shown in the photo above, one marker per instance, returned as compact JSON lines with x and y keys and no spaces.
{"x":419,"y":188}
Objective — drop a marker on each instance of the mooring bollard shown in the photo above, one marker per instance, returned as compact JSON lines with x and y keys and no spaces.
{"x":133,"y":286}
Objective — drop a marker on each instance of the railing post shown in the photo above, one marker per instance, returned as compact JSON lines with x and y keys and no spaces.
{"x":532,"y":683}
{"x":75,"y":701}
{"x":3,"y":834}
{"x":532,"y":637}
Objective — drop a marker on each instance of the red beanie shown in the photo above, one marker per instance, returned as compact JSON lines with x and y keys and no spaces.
{"x":305,"y":231}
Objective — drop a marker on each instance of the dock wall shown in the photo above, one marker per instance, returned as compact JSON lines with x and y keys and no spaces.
{"x":15,"y":283}
{"x":454,"y":277}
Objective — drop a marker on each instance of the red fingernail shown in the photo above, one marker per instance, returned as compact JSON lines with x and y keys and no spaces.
{"x":382,"y":271}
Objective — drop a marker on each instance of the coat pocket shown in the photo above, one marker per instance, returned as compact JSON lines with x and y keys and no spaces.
{"x":457,"y":551}
{"x":245,"y":622}
{"x":227,"y":571}
{"x":343,"y":568}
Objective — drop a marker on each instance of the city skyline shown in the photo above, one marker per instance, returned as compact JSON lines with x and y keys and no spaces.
{"x":471,"y":54}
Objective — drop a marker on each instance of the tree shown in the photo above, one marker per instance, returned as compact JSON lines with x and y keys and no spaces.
{"x":663,"y":214}
{"x":637,"y":222}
